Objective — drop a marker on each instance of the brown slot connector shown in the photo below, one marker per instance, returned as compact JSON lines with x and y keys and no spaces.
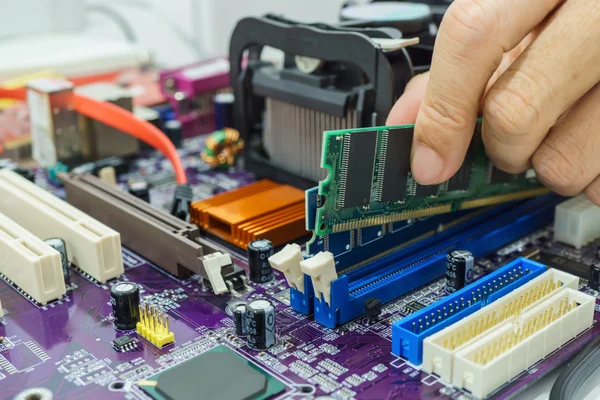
{"x":261,"y":210}
{"x":168,"y":242}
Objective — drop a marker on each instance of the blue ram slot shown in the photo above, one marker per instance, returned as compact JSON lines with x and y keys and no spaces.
{"x":352,"y":247}
{"x":406,"y":270}
{"x":303,"y":302}
{"x":408,"y":333}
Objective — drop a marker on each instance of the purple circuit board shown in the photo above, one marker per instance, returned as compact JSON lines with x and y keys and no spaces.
{"x":65,"y":346}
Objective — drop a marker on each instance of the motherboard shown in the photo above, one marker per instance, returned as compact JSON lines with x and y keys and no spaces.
{"x":72,"y":348}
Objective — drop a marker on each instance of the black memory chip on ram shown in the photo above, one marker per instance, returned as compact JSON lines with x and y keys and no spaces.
{"x":499,"y":176}
{"x":426,"y":190}
{"x":397,"y":164}
{"x":462,"y":178}
{"x":359,"y":157}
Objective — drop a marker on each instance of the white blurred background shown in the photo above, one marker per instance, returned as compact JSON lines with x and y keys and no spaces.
{"x":70,"y":34}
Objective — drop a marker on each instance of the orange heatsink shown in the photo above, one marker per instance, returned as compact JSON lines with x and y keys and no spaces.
{"x":261,"y":210}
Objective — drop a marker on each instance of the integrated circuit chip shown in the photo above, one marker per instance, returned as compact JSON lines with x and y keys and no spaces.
{"x":357,"y":166}
{"x":462,"y":178}
{"x":397,"y":164}
{"x":124,"y":343}
{"x":412,"y":307}
{"x":426,"y":190}
{"x":498,"y":176}
{"x":216,"y":374}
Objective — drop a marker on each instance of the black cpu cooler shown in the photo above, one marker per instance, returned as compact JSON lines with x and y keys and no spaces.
{"x":332,"y":77}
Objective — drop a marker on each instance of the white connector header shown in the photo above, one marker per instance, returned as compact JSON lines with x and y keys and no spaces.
{"x":29,"y":263}
{"x":92,"y":246}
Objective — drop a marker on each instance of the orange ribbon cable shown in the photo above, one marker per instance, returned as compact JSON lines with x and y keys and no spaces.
{"x":122,"y":120}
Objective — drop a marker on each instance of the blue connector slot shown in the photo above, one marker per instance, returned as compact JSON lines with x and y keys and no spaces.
{"x":303,"y":302}
{"x":408,"y":333}
{"x":405,"y":270}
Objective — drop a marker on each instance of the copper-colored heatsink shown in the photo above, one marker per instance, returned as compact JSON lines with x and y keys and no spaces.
{"x":262,"y":210}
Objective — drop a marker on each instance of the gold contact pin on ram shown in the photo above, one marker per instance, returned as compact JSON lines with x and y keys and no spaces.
{"x":403,"y":216}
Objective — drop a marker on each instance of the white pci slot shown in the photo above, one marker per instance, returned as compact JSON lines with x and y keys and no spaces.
{"x":91,"y":246}
{"x":29,"y":263}
{"x":439,"y":349}
{"x":515,"y":346}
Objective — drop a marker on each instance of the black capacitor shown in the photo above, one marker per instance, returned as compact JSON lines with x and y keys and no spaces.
{"x":595,"y":276}
{"x":260,"y":324}
{"x":239,"y":319}
{"x":259,"y":267}
{"x":59,"y":245}
{"x":372,"y":309}
{"x":125,"y":300}
{"x":140,"y":189}
{"x":459,"y":269}
{"x":223,"y":104}
{"x":174,"y":131}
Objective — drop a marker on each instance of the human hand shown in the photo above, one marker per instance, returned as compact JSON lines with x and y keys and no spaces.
{"x":533,"y":67}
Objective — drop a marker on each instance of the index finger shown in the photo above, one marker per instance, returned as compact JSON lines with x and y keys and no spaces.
{"x":472,"y":39}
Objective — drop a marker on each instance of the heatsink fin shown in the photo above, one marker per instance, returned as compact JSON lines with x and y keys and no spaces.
{"x":262,"y":210}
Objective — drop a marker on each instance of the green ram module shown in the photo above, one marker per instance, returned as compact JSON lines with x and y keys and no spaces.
{"x":370,"y":183}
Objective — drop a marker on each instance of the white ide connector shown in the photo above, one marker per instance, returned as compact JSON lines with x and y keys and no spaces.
{"x":577,"y":222}
{"x":29,"y":263}
{"x":91,"y":245}
{"x":439,"y":349}
{"x":513,"y":347}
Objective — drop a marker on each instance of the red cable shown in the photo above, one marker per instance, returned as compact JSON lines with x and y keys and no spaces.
{"x":15,"y":94}
{"x":125,"y":121}
{"x":122,"y":120}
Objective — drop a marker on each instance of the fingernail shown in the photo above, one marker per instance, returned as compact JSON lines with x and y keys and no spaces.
{"x":427,"y":165}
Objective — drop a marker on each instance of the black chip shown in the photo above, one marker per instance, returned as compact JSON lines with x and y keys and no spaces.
{"x":360,"y":156}
{"x":124,"y":343}
{"x":397,"y":164}
{"x":566,"y":265}
{"x":212,"y":375}
{"x":462,"y":178}
{"x":426,"y":190}
{"x":499,"y":176}
{"x":412,"y":307}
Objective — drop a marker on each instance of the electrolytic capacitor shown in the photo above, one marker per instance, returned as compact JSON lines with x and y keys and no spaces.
{"x":239,"y":319}
{"x":260,"y":324}
{"x":595,"y":276}
{"x":125,"y":300}
{"x":59,"y":245}
{"x":459,"y":270}
{"x":223,"y":109}
{"x":174,"y":131}
{"x":259,"y":251}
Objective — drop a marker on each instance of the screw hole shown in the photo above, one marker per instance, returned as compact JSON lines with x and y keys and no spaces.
{"x":307,"y":389}
{"x":118,"y":385}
